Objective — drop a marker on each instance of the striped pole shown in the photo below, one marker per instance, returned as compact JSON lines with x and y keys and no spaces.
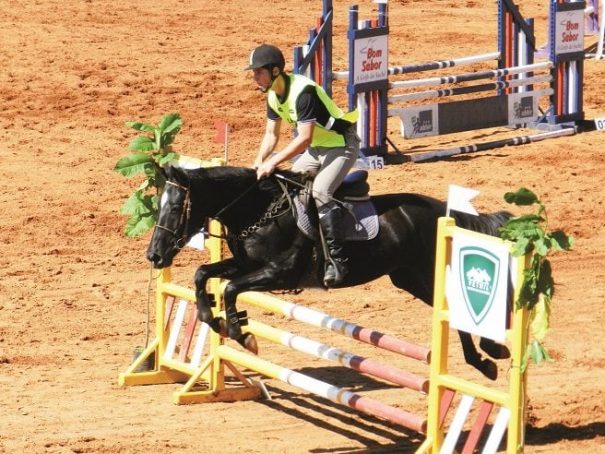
{"x":469,"y":77}
{"x":431,"y":65}
{"x":439,"y":64}
{"x":601,"y":32}
{"x":325,"y":390}
{"x":319,"y":55}
{"x":353,"y":18}
{"x":337,"y":325}
{"x":491,"y":145}
{"x":469,"y":89}
{"x":319,"y":350}
{"x":327,"y":16}
{"x":313,"y":70}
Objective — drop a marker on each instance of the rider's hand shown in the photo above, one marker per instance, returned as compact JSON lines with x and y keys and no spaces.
{"x":264,"y":170}
{"x":257,"y":163}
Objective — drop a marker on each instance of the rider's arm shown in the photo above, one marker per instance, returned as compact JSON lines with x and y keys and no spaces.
{"x":294,"y":147}
{"x":269,"y":141}
{"x":298,"y":144}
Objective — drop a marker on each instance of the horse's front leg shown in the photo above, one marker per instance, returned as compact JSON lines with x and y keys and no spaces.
{"x":225,"y":269}
{"x":267,"y":278}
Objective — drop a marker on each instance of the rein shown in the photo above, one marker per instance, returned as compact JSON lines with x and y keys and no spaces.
{"x":303,"y":186}
{"x":234,"y":201}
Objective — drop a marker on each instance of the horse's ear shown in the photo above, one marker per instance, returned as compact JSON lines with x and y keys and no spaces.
{"x":168,"y":171}
{"x":173,"y":173}
{"x":176,"y":174}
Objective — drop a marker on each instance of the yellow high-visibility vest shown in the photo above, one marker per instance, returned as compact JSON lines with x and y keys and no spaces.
{"x":322,"y":135}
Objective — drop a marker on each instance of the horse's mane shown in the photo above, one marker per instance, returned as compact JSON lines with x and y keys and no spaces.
{"x":484,"y":223}
{"x":487,"y":223}
{"x":221,"y":173}
{"x":245,"y":177}
{"x":232,"y":173}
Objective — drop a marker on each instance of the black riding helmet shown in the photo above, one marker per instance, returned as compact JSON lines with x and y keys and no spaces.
{"x":266,"y":56}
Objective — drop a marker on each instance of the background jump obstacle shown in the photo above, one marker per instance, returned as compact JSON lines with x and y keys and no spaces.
{"x":514,"y":99}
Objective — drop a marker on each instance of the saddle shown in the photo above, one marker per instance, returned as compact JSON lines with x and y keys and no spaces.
{"x":360,"y":218}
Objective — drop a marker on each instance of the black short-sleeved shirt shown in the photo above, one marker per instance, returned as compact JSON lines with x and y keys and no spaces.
{"x":310,"y":109}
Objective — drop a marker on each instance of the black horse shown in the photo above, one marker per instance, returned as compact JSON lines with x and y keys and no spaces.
{"x":270,"y":252}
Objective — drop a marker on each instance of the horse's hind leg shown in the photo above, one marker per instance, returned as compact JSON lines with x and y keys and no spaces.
{"x":486,"y":366}
{"x":494,"y":349}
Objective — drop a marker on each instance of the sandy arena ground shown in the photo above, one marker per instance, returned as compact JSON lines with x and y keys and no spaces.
{"x":74,"y":289}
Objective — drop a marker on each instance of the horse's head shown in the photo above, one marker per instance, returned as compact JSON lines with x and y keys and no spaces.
{"x":174,"y":226}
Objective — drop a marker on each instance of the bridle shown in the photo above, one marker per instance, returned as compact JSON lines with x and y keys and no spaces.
{"x":183,"y":220}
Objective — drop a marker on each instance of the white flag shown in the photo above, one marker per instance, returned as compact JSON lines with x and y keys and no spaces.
{"x":459,"y":199}
{"x":197,"y":241}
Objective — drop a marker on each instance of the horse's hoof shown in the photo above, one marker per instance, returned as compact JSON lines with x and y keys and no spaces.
{"x":494,"y":349}
{"x":222,"y":326}
{"x":219,"y":326}
{"x":248,"y":341}
{"x":489,"y":369}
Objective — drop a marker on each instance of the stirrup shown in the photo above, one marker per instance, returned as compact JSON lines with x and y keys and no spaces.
{"x":335,"y":273}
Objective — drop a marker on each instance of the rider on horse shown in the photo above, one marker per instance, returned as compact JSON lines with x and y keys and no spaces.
{"x":326,"y":137}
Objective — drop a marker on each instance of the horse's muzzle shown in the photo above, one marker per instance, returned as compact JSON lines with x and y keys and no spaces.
{"x":157,"y":260}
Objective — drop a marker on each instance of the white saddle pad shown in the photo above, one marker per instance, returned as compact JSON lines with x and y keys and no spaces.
{"x":361,"y":221}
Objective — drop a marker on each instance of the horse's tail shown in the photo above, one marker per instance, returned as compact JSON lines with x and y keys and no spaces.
{"x":484,"y":223}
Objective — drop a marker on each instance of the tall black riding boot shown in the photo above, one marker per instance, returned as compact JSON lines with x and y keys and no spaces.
{"x":331,"y":219}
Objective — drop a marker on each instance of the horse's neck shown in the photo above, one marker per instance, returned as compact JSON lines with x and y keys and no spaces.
{"x":238,"y":202}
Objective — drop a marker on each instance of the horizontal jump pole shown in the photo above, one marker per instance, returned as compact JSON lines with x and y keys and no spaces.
{"x":439,"y":64}
{"x":325,"y":390}
{"x":429,"y":66}
{"x":419,"y":157}
{"x":468,"y":77}
{"x":319,"y":350}
{"x":337,"y":325}
{"x":498,"y":85}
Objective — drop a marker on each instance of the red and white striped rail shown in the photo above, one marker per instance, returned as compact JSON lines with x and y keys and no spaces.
{"x":337,"y":325}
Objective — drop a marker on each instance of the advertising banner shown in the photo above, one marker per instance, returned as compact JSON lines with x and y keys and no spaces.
{"x":477,"y":286}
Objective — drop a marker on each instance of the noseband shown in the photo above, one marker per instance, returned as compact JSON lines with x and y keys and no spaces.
{"x":183,"y":220}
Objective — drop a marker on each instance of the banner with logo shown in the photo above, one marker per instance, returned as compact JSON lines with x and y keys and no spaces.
{"x":569,"y":33}
{"x":477,"y":286}
{"x":371,"y":59}
{"x":523,"y":108}
{"x":420,"y":121}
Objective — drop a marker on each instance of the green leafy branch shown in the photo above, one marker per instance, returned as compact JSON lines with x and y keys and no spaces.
{"x":149,"y":154}
{"x":530,"y":235}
